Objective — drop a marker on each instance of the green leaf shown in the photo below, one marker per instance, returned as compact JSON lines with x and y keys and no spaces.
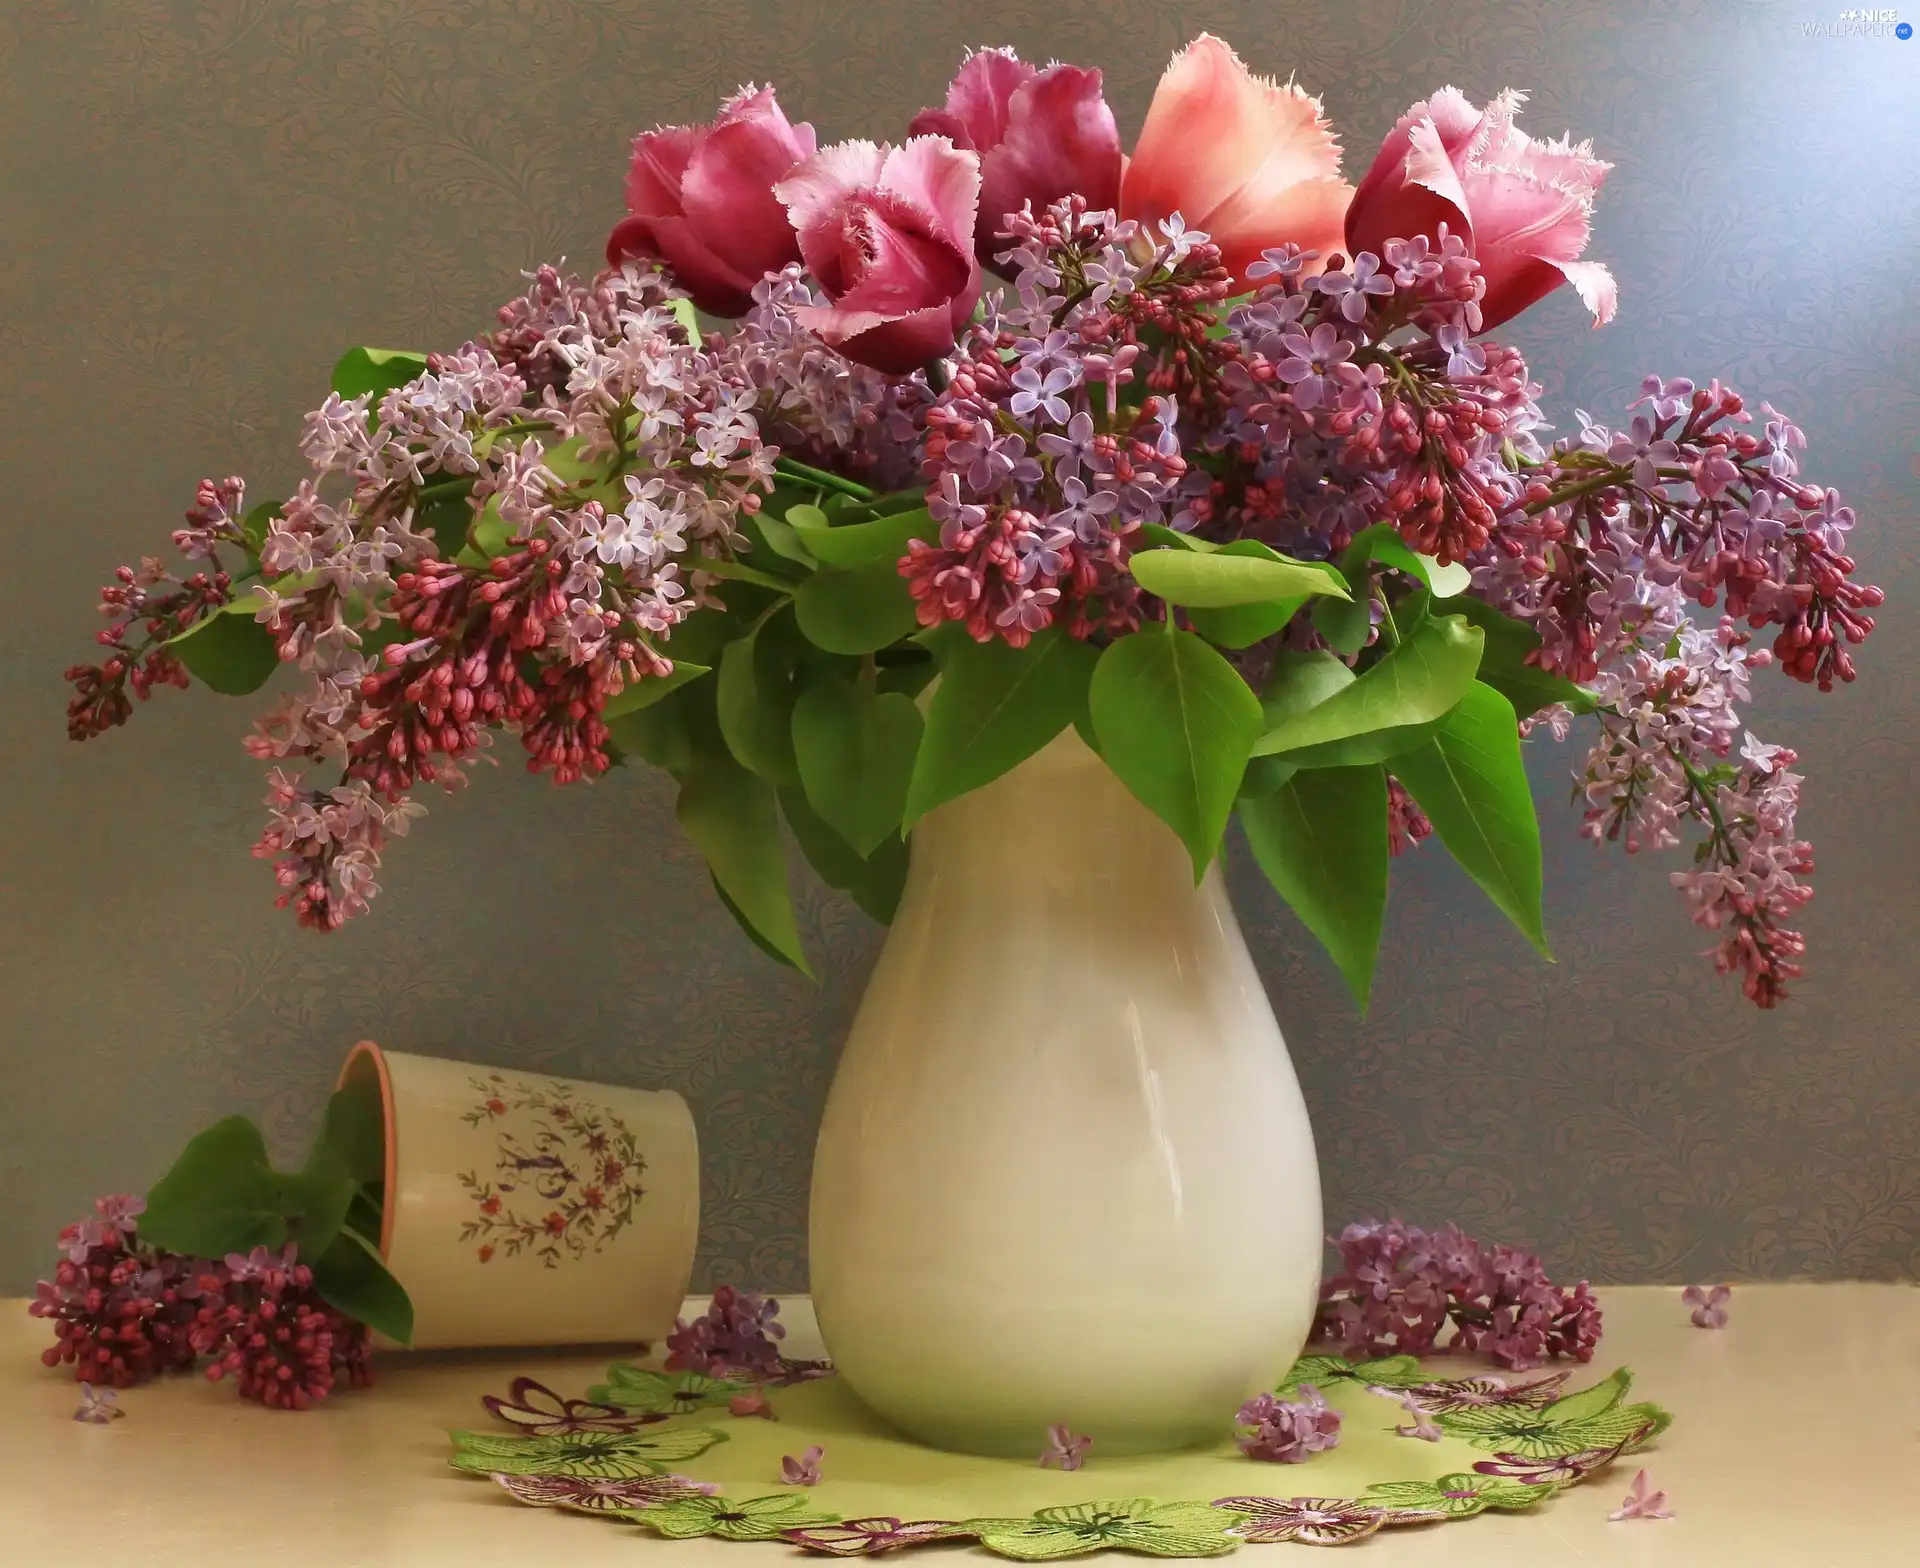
{"x":489,"y":534}
{"x":752,"y":932}
{"x":353,"y":1277}
{"x":784,"y":540}
{"x":657,"y":733}
{"x":352,"y":1140}
{"x":1321,"y":838}
{"x":1448,"y":581}
{"x":1221,"y":579}
{"x":1173,"y":539}
{"x":253,"y":526}
{"x":731,"y":818}
{"x":845,"y":509}
{"x":908,"y":677}
{"x":855,"y":610}
{"x":1243,"y":625}
{"x":1471,"y":783}
{"x":1297,"y":682}
{"x":755,"y":694}
{"x":228,"y":650}
{"x":856,"y":751}
{"x":1344,"y":624}
{"x":376,"y":370}
{"x":222,"y":1196}
{"x":448,"y":520}
{"x":995,"y":707}
{"x":636,"y":696}
{"x":1503,"y":666}
{"x":1367,"y":721}
{"x":734,"y":571}
{"x":874,"y":883}
{"x":1175,"y":722}
{"x":860,"y":544}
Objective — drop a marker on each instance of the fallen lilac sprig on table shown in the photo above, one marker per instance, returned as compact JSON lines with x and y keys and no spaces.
{"x":1399,"y":1286}
{"x":1288,"y":1431}
{"x":735,"y":1334}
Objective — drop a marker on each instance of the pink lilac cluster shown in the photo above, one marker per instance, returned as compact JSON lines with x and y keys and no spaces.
{"x":1669,"y":728}
{"x":262,"y":1323}
{"x":1288,"y":1431}
{"x":735,"y":1337}
{"x":1038,"y":475}
{"x":123,"y":1311}
{"x":410,"y":655}
{"x":146,"y":605}
{"x":1398,"y":1287}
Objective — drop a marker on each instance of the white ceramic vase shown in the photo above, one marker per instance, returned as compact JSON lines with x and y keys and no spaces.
{"x":523,"y":1209}
{"x":1065,"y":1173}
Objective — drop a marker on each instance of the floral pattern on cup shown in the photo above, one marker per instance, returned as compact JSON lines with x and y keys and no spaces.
{"x":566,"y":1172}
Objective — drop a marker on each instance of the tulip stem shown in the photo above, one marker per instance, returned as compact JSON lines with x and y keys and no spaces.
{"x":937,"y":377}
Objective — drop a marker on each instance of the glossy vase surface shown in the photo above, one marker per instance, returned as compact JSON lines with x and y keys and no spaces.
{"x":1065,"y":1172}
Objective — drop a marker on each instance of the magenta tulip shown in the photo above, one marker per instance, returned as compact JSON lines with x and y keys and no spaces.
{"x":1524,"y":207}
{"x":700,"y":197}
{"x":887,"y":233}
{"x":1247,"y":160}
{"x":1040,"y":134}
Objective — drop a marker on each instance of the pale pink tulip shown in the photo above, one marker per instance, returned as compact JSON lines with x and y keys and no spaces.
{"x":1247,"y":160}
{"x":700,"y":197}
{"x":887,"y":232}
{"x":1524,"y":207}
{"x":1040,"y":134}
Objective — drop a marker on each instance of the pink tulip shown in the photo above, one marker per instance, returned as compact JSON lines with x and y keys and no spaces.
{"x":1247,"y":160}
{"x":701,"y":198}
{"x":1523,"y":207}
{"x":887,"y":232}
{"x":1040,"y":135}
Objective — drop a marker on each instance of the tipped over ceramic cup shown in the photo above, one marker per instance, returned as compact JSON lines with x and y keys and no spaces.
{"x":522,"y":1209}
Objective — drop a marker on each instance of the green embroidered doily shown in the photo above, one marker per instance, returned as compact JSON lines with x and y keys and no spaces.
{"x":664,"y":1452}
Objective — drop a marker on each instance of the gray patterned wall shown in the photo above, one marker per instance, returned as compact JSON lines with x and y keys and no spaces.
{"x":206,"y":200}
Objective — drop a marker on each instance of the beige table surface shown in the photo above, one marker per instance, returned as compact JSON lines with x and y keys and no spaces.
{"x":1797,"y":1441}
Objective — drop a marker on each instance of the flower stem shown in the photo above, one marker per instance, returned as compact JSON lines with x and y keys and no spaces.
{"x":819,"y":476}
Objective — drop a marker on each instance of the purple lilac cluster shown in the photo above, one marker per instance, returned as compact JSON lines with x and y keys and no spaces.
{"x":1618,"y":532}
{"x":1288,"y":1431}
{"x":1358,"y":394}
{"x":736,"y":1336}
{"x":123,"y":1311}
{"x":1398,"y":1287}
{"x":1039,"y":471}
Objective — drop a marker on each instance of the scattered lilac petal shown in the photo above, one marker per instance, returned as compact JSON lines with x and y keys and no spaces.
{"x":1642,"y":1501}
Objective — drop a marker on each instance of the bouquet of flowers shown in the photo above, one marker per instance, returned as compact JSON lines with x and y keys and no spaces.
{"x":1203,"y":452}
